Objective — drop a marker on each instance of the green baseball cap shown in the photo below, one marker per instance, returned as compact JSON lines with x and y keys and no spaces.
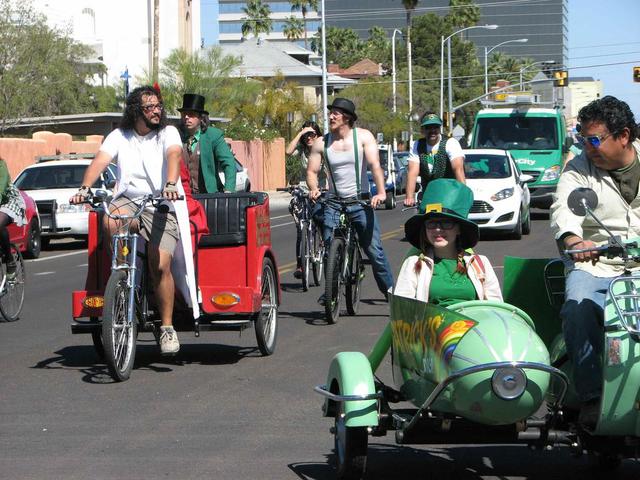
{"x":431,"y":119}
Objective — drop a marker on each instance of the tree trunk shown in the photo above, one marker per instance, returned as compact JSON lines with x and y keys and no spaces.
{"x":156,"y":40}
{"x":304,"y":26}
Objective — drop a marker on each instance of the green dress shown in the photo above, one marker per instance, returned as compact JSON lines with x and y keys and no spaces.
{"x":449,"y":286}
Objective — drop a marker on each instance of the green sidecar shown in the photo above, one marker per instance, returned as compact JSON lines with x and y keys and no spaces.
{"x":487,"y":372}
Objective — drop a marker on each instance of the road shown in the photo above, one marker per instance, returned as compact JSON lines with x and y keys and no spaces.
{"x":219,"y":409}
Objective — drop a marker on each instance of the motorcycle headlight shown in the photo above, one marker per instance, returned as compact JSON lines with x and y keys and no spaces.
{"x":502,"y":194}
{"x":508,"y":383}
{"x":551,"y":173}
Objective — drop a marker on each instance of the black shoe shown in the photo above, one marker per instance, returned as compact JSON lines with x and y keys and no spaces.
{"x":298,"y":273}
{"x":322,"y":299}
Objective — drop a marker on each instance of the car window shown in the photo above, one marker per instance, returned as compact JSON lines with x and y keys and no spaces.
{"x":239,"y":166}
{"x":486,"y":166}
{"x":52,"y":176}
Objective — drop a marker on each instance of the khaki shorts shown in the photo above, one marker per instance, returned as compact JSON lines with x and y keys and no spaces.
{"x":159,"y":229}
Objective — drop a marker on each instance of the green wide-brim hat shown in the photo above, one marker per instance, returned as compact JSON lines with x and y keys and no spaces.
{"x":445,"y":198}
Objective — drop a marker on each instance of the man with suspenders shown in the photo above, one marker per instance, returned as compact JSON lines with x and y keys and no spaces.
{"x":433,"y":156}
{"x":345,"y":150}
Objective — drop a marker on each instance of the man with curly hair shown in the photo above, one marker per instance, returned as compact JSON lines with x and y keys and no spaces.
{"x":148,"y":152}
{"x":609,"y":164}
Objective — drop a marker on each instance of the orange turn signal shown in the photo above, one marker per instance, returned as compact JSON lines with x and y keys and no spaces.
{"x":225,"y":299}
{"x":93,"y":302}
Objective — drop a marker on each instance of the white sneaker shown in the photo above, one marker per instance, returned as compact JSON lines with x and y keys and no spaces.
{"x":169,"y":344}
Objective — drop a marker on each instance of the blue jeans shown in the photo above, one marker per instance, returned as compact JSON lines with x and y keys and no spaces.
{"x":366,"y":224}
{"x":582,"y":326}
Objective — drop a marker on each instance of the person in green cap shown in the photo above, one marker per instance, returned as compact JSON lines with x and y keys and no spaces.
{"x":433,"y":156}
{"x":443,"y":273}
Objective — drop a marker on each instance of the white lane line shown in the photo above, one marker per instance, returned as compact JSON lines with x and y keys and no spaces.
{"x":82,"y":265}
{"x":281,"y":216}
{"x":282,"y":225}
{"x":43,"y":273}
{"x":58,"y":256}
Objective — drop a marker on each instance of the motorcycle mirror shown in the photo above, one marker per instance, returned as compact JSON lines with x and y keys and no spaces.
{"x":100,"y":195}
{"x":580,"y":198}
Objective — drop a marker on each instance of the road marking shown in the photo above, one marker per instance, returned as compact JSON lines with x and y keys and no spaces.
{"x":281,"y":224}
{"x":43,"y":273}
{"x":42,"y":259}
{"x":281,"y":216}
{"x":391,"y":233}
{"x":287,"y":267}
{"x":82,"y":265}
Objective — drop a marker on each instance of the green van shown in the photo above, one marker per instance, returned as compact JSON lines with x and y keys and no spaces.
{"x":535,"y":137}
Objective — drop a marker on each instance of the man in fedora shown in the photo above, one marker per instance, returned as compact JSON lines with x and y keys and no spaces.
{"x":347,"y":151}
{"x":433,"y":156}
{"x":205,"y":151}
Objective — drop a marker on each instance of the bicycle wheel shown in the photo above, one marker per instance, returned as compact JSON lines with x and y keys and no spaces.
{"x":333,"y":280}
{"x":304,"y":254}
{"x":118,"y":335}
{"x":12,"y":295}
{"x":317,"y":255}
{"x":353,"y":284}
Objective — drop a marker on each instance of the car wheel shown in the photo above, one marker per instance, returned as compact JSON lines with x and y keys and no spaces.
{"x":390,"y":202}
{"x":516,"y":234}
{"x":34,"y":240}
{"x":526,"y":226}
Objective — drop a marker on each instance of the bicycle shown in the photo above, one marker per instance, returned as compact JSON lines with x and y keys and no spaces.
{"x":311,"y":247}
{"x":344,"y":262}
{"x":126,"y":306}
{"x":12,"y":290}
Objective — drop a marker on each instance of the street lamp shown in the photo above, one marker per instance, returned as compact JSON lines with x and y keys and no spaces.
{"x":486,"y":56}
{"x":289,"y":121}
{"x":325,"y":113}
{"x":393,"y":74}
{"x":448,"y":39}
{"x":544,"y":62}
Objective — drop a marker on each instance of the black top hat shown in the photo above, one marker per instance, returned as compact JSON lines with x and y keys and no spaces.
{"x":345,"y":105}
{"x":193,"y":102}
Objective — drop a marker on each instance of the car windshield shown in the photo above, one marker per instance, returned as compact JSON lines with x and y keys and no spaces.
{"x":52,"y":176}
{"x":486,"y":166}
{"x":517,"y":133}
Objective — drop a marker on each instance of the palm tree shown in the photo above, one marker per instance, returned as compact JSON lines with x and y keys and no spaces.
{"x":294,"y":28}
{"x":304,"y":6}
{"x":258,"y":18}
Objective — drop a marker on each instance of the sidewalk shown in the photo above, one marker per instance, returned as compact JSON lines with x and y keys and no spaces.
{"x":279,"y":199}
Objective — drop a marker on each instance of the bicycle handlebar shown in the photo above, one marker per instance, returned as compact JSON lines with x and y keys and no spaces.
{"x":154,"y":201}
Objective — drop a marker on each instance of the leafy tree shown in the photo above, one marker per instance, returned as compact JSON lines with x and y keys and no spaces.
{"x":304,"y":6}
{"x":378,"y":46}
{"x":463,"y":13}
{"x":42,"y":71}
{"x":294,"y":28}
{"x":258,"y":18}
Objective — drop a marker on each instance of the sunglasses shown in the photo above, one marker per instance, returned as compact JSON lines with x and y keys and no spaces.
{"x":152,"y":107}
{"x":594,"y":140}
{"x":440,"y":224}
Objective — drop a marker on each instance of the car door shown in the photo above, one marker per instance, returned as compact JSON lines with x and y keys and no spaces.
{"x":522,"y":187}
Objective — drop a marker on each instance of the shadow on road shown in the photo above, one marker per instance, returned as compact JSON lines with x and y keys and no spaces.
{"x":64,"y":245}
{"x":84,"y":359}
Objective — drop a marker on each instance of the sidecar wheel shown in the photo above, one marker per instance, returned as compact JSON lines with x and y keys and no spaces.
{"x":350,"y":447}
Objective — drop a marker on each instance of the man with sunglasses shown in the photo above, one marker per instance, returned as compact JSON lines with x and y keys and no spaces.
{"x":347,"y":151}
{"x":147,"y":152}
{"x":609,"y":164}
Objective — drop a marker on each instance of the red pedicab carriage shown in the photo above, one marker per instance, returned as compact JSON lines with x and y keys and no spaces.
{"x":237,"y":282}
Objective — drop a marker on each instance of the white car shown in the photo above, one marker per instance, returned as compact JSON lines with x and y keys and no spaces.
{"x":500,"y":193}
{"x":243,"y":184}
{"x":51,"y":184}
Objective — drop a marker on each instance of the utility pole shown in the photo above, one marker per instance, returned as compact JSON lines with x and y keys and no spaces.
{"x":156,"y":41}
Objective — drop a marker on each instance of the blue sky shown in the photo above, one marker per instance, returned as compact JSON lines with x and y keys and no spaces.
{"x":606,"y":32}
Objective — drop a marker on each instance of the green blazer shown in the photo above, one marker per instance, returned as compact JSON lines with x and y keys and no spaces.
{"x":5,"y":178}
{"x":215,"y":157}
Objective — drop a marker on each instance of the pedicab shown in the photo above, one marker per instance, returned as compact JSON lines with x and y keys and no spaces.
{"x":236,"y":279}
{"x":483,"y":372}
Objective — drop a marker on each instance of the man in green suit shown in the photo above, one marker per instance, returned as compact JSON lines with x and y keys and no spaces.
{"x":205,"y":151}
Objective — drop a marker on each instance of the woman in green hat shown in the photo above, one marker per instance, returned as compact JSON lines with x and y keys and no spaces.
{"x":443,"y":273}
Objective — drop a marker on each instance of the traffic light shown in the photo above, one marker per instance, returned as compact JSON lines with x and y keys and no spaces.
{"x":636,"y":74}
{"x":560,"y":78}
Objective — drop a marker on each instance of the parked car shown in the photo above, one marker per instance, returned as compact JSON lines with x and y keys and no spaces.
{"x":28,"y":236}
{"x":395,"y":176}
{"x":500,"y":191}
{"x":51,"y":182}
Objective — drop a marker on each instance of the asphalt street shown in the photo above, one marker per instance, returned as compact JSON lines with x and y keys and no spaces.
{"x":220,"y":410}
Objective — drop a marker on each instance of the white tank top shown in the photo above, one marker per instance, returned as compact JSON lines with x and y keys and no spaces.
{"x":342,"y":167}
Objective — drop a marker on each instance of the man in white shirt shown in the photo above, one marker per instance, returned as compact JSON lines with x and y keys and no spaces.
{"x":433,"y":156}
{"x":148,"y":153}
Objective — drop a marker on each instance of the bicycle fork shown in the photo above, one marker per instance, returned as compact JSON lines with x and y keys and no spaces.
{"x":127,"y":246}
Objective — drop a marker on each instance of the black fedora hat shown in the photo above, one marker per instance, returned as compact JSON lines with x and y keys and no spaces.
{"x":345,"y":105}
{"x":192,"y":102}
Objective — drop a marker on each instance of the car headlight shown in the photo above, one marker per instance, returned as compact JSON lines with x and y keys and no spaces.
{"x":551,"y":173}
{"x":502,"y":194}
{"x":508,"y":383}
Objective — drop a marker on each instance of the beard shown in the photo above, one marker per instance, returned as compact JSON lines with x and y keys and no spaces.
{"x":150,"y":125}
